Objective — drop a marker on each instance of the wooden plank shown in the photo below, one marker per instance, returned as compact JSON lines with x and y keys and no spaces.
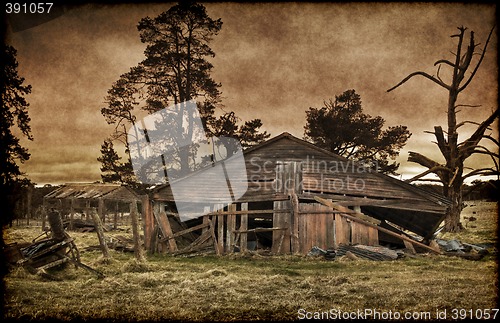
{"x":302,"y":232}
{"x":342,"y":230}
{"x":322,"y":231}
{"x":186,"y":231}
{"x":286,"y":237}
{"x":329,"y":231}
{"x":295,"y":241}
{"x":277,"y":222}
{"x":244,"y":227}
{"x":206,"y":211}
{"x":311,"y":228}
{"x":165,"y":228}
{"x":372,"y":237}
{"x":220,"y":228}
{"x":230,"y":228}
{"x":261,"y":230}
{"x":214,"y":238}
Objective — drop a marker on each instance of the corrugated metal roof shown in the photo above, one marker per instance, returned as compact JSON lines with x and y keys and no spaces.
{"x":93,"y":191}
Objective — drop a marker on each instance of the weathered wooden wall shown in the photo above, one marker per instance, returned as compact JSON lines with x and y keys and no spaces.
{"x":226,"y":230}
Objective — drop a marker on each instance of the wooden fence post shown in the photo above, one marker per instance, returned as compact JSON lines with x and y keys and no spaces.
{"x":148,"y":219}
{"x":230,"y":227}
{"x":71,"y":213}
{"x":100,"y":234}
{"x":138,"y":252}
{"x":102,"y":211}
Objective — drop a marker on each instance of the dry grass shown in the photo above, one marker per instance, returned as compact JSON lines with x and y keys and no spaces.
{"x":252,"y":287}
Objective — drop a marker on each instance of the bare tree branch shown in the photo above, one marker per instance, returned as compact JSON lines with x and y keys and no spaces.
{"x":492,"y":139}
{"x":422,"y":160}
{"x":468,"y":105}
{"x":441,"y":142}
{"x":468,"y":146}
{"x":422,"y":74}
{"x":465,"y":122}
{"x":482,"y":172}
{"x":429,"y":171}
{"x":428,"y":180}
{"x":444,"y":61}
{"x":478,"y":63}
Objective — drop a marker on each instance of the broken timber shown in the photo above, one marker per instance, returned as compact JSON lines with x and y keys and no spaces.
{"x":371,"y":224}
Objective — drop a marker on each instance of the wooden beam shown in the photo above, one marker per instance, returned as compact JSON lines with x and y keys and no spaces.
{"x":258,"y":230}
{"x":183,"y":232}
{"x":165,"y":228}
{"x":346,"y":210}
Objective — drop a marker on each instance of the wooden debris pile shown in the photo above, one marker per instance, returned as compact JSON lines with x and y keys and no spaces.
{"x":48,"y":252}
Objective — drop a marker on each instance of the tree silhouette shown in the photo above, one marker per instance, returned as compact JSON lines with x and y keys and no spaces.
{"x":13,"y":114}
{"x":112,"y":169}
{"x":453,"y":173}
{"x":340,"y":126}
{"x":176,"y":69}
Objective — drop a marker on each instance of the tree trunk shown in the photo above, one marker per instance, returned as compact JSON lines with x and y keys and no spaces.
{"x":452,"y":219}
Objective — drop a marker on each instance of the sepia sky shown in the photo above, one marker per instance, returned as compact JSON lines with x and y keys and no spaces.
{"x":274,"y":61}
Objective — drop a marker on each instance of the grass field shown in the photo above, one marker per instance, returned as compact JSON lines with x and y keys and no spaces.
{"x":252,"y":287}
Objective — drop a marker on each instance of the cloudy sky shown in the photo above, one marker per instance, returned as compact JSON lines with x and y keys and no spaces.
{"x":274,"y":61}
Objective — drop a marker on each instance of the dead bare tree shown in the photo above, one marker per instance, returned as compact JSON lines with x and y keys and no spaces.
{"x":453,"y":173}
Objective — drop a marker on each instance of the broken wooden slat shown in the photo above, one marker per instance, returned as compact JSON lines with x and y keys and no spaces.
{"x":214,"y":238}
{"x":188,"y":230}
{"x":165,"y":228}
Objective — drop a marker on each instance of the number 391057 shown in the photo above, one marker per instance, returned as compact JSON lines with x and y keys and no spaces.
{"x":41,"y":7}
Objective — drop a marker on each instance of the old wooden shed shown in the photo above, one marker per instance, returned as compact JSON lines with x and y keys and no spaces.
{"x":286,"y":177}
{"x":85,"y":197}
